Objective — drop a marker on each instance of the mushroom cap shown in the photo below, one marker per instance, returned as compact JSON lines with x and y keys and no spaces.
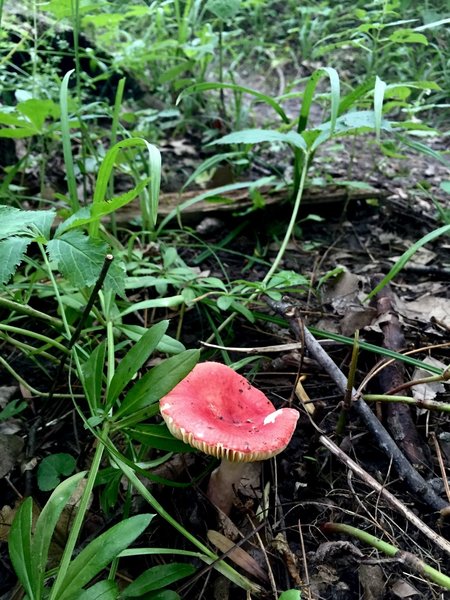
{"x":217,"y":411}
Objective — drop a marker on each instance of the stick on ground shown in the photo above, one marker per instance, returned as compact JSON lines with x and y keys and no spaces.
{"x":416,"y":483}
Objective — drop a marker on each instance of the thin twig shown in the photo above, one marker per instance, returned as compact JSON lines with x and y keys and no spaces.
{"x":390,"y":498}
{"x":87,"y":309}
{"x":405,"y":470}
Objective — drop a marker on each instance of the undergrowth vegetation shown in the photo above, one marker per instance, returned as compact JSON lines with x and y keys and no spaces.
{"x":99,"y":309}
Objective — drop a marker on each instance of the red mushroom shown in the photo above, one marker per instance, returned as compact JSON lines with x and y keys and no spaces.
{"x":219,"y":412}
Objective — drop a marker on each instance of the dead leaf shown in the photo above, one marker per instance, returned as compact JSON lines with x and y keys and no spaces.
{"x":280,"y":545}
{"x":10,"y":450}
{"x":239,"y":556}
{"x":426,"y":308}
{"x":428,"y":391}
{"x":404,"y":590}
{"x":372,"y":581}
{"x":6,"y":394}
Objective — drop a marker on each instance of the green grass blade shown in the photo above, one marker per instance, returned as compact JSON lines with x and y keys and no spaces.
{"x":378,"y":97}
{"x":309,"y":94}
{"x":150,"y":206}
{"x":202,"y":87}
{"x":405,"y":258}
{"x":67,"y":146}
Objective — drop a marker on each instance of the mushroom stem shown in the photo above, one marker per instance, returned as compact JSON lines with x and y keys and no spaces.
{"x":223,"y":483}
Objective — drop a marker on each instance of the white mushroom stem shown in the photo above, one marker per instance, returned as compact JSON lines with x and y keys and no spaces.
{"x":223,"y":482}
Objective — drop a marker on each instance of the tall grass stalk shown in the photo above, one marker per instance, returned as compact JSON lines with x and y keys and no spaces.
{"x":66,"y":142}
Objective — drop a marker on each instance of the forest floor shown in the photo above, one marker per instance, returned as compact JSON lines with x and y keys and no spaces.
{"x":306,"y":486}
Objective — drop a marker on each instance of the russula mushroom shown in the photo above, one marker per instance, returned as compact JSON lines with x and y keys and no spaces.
{"x":217,"y":411}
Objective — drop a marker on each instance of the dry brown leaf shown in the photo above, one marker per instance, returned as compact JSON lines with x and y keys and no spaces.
{"x":10,"y":450}
{"x":280,"y":545}
{"x":239,"y":556}
{"x":428,"y":391}
{"x":426,"y":308}
{"x":404,"y":590}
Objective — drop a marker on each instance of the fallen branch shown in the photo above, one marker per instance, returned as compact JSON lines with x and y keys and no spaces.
{"x":398,"y":415}
{"x":416,"y":483}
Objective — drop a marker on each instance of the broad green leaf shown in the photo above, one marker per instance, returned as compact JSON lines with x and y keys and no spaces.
{"x":163,"y":595}
{"x":158,"y":382}
{"x":13,"y":408}
{"x":408,"y":36}
{"x":134,"y":360}
{"x":202,"y":87}
{"x":156,"y":436}
{"x":14,"y":221}
{"x":19,"y":545}
{"x":37,"y":111}
{"x":80,"y":260}
{"x":64,"y":8}
{"x":52,"y":467}
{"x":167,"y":344}
{"x":156,"y":578}
{"x":100,"y":552}
{"x":290,"y":595}
{"x":12,"y":251}
{"x":18,"y":133}
{"x":92,"y":371}
{"x":102,"y":590}
{"x":257,"y":136}
{"x":169,"y":302}
{"x":224,"y":9}
{"x":46,"y":524}
{"x":243,"y":310}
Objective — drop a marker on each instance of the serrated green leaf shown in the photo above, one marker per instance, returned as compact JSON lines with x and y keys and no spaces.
{"x":134,"y":359}
{"x":224,"y":9}
{"x":158,"y":382}
{"x":14,"y":222}
{"x":100,"y":552}
{"x":95,"y":212}
{"x":156,"y":578}
{"x":80,"y":259}
{"x":12,"y":251}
